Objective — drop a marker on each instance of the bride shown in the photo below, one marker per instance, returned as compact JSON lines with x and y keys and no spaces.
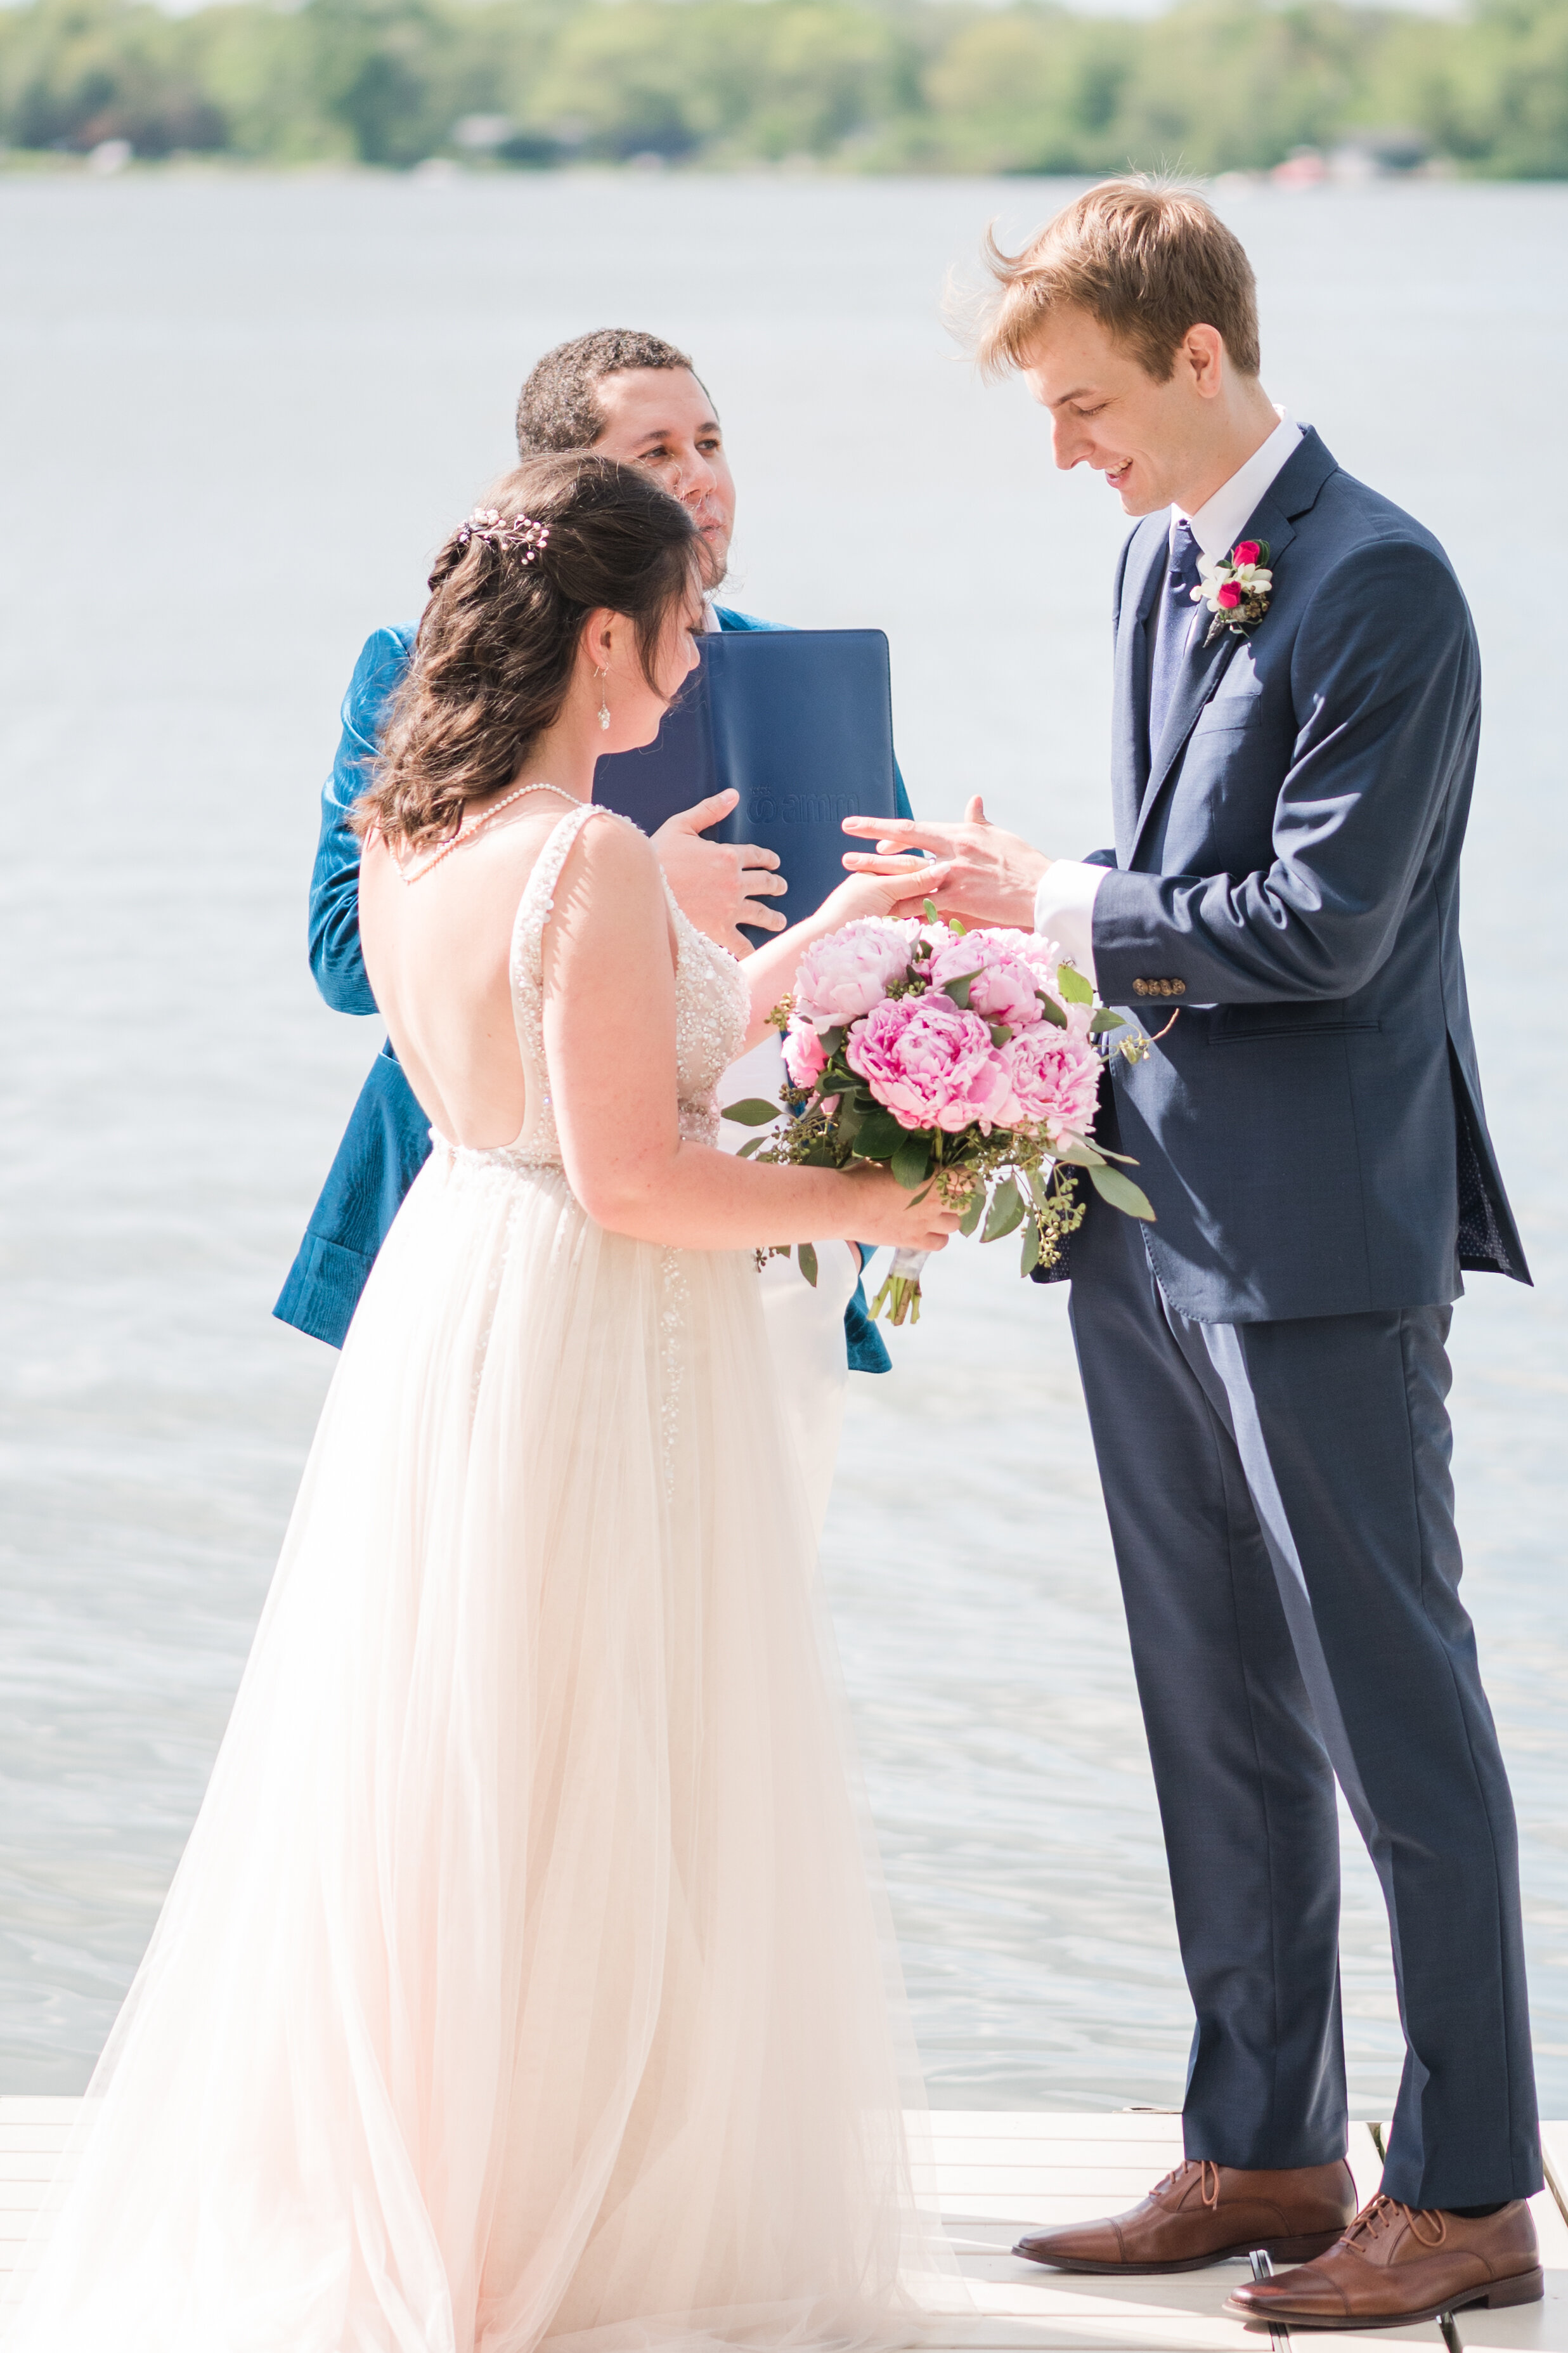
{"x":522,"y":1980}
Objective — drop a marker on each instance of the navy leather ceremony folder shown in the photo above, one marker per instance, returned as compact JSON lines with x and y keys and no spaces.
{"x":800,"y":723}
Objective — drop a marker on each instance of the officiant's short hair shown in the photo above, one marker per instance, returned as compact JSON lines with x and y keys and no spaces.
{"x":1149,"y":262}
{"x":558,"y":407}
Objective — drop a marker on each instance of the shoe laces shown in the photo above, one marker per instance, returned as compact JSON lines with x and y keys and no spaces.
{"x":1208,"y":2176}
{"x":1381,"y":2214}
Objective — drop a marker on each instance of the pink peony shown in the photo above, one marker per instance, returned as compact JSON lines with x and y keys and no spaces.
{"x":1227,"y":597}
{"x":1245,"y":551}
{"x":1006,"y":979}
{"x":931,"y":1065}
{"x":1041,"y":955}
{"x":802,"y":1057}
{"x":1055,"y":1075}
{"x":845,"y":975}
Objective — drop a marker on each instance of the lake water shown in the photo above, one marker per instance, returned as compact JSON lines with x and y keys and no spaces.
{"x":237,"y":415}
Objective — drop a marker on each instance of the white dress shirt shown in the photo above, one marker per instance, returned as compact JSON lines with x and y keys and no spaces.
{"x":1064,"y":901}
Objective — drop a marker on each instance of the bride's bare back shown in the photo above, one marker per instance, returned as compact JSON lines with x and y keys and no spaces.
{"x":437,"y":931}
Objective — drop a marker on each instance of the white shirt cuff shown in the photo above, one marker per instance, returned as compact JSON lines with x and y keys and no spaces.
{"x":1064,"y":908}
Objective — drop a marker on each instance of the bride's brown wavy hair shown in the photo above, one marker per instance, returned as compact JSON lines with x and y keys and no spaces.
{"x":498,"y":642}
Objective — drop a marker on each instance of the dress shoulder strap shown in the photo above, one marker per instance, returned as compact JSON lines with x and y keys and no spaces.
{"x":534,"y":912}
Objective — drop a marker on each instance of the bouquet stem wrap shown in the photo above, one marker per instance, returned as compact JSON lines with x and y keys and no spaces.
{"x":900,"y":1290}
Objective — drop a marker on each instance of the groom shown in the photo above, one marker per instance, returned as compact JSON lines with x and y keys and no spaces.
{"x":1265,"y":1366}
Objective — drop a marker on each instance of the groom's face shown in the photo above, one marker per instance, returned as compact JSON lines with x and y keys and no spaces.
{"x":1149,"y":439}
{"x":661,"y":419}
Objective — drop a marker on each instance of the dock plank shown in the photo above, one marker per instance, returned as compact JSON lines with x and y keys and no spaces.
{"x":1554,"y":2150}
{"x":997,"y":2170}
{"x":1534,"y":2327}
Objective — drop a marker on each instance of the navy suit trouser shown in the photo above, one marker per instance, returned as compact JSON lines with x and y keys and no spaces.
{"x":1281,"y":1509}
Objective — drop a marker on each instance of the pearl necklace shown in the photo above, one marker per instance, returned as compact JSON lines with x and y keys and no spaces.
{"x":418,"y":873}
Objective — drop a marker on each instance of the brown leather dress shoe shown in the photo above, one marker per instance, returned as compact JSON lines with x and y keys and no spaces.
{"x":1203,"y":2214}
{"x":1396,"y":2264}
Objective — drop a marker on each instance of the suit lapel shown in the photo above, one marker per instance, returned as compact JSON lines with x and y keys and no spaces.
{"x":1129,"y":746}
{"x":1203,"y":673}
{"x":1292,"y":492}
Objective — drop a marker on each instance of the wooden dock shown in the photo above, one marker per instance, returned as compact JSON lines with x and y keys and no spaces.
{"x":1000,"y":2171}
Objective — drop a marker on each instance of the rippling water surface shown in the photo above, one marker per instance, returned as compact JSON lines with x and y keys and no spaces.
{"x":237,"y":414}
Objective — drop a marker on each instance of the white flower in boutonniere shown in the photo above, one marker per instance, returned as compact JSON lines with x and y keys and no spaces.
{"x":1236,"y":589}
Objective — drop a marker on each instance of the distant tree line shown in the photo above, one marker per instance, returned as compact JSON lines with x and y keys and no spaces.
{"x":870,"y":85}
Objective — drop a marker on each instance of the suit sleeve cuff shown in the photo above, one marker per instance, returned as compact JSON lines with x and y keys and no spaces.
{"x":1064,"y":908}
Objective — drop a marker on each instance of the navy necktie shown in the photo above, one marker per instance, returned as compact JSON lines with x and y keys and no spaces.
{"x":1172,"y":648}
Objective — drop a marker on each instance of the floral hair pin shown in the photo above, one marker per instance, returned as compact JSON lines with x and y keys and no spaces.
{"x":509,"y":534}
{"x":1236,"y":589}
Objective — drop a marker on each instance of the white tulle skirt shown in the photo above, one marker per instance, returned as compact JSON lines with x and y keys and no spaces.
{"x":524,"y":1978}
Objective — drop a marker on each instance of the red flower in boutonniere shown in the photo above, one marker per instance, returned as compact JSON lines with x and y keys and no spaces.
{"x":1236,"y":589}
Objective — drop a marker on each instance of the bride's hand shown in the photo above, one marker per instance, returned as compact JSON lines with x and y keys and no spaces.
{"x":885,"y":1212}
{"x":901,"y":890}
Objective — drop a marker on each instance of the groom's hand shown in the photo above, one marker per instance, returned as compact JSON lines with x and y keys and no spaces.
{"x":719,"y":885}
{"x":991,"y":876}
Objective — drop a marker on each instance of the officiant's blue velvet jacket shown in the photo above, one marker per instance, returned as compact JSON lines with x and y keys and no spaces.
{"x":387,"y":1140}
{"x":1285,"y":882}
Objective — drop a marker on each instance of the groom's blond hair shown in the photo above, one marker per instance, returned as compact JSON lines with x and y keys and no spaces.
{"x":1149,"y":262}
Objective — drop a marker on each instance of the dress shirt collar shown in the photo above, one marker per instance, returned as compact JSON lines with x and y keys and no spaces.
{"x":1221,"y":520}
{"x":711,"y":623}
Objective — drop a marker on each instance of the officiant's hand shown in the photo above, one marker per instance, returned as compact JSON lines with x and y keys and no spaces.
{"x":719,"y":885}
{"x":991,"y":876}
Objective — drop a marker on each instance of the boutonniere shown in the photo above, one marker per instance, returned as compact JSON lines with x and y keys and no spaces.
{"x":1236,"y":589}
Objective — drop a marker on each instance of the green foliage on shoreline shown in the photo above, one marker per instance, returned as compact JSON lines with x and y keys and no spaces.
{"x":868,"y":84}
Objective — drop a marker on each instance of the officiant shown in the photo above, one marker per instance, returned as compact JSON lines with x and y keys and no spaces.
{"x":637,"y":398}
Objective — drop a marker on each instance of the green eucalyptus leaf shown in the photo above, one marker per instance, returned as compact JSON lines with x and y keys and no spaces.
{"x":959,"y":989}
{"x":975,"y":1212}
{"x":1000,"y":1033}
{"x":1031,"y":1257}
{"x":1080,"y":1156}
{"x":1072,"y":985}
{"x":1121,"y":1193}
{"x":752,"y":1113}
{"x":930,"y":915}
{"x":879,"y":1137}
{"x":755,"y":1144}
{"x":807,"y":1258}
{"x":911,"y":1160}
{"x":1006,"y":1211}
{"x":1103,"y":1020}
{"x":1050,"y":1010}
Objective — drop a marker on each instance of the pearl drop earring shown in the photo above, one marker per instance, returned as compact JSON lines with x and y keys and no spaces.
{"x":604,"y":706}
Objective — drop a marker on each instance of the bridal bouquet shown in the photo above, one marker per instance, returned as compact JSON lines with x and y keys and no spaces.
{"x":966,"y":1059}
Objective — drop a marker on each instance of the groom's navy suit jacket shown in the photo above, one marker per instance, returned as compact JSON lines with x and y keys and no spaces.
{"x":387,"y":1140}
{"x":1310,"y":1131}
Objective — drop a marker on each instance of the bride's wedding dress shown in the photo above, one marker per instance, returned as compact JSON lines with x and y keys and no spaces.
{"x":522,"y":1979}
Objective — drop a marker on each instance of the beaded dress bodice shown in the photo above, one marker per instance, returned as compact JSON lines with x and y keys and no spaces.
{"x":711,"y":1012}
